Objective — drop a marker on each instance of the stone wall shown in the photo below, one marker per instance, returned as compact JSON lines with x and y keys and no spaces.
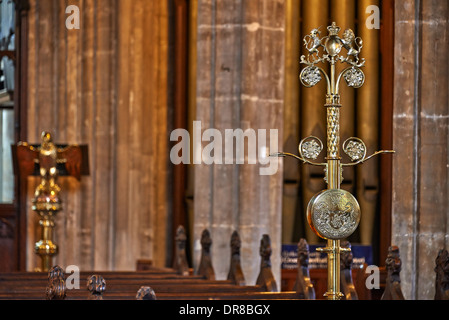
{"x":239,"y":80}
{"x":105,"y":85}
{"x":420,"y":212}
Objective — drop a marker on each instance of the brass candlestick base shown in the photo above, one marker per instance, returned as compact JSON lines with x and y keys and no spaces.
{"x":333,"y":251}
{"x":46,"y":248}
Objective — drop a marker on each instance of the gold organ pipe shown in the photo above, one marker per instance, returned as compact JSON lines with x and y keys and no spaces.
{"x":292,"y":68}
{"x":315,"y":13}
{"x":291,"y":116}
{"x":368,"y":123}
{"x":343,"y":13}
{"x":191,"y":107}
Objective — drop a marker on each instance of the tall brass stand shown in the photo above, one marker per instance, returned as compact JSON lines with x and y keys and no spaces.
{"x":46,"y":202}
{"x":333,"y":214}
{"x":45,"y":247}
{"x":53,"y":160}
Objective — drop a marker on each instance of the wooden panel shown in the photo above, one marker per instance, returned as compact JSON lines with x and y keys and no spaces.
{"x":191,"y":108}
{"x":21,"y":100}
{"x":386,"y":119}
{"x":7,"y":227}
{"x":180,"y":115}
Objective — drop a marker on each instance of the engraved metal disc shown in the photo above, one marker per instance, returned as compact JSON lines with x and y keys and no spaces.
{"x":333,"y":214}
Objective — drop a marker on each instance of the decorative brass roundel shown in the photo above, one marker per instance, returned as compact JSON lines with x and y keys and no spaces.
{"x":333,"y":214}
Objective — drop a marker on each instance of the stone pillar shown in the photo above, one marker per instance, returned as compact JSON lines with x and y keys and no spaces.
{"x":420,"y":138}
{"x":105,"y":85}
{"x":240,"y":77}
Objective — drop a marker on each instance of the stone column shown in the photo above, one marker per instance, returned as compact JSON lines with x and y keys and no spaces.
{"x":105,"y":85}
{"x":240,"y":77}
{"x":420,"y":138}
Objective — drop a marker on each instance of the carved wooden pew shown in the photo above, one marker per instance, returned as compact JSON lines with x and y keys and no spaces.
{"x":442,"y":275}
{"x":83,"y":295}
{"x":205,"y":268}
{"x":146,"y":293}
{"x":180,"y":262}
{"x":346,"y":283}
{"x":266,"y":279}
{"x":160,"y":283}
{"x":303,"y":285}
{"x":393,"y":265}
{"x":28,"y":279}
{"x":235,"y":269}
{"x":27,"y":286}
{"x":121,"y":289}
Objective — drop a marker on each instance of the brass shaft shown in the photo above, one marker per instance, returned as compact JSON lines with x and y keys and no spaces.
{"x":333,"y":182}
{"x":45,"y":247}
{"x":333,"y":270}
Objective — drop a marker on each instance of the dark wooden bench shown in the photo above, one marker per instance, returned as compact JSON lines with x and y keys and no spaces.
{"x":83,"y":295}
{"x":124,"y":285}
{"x":178,"y":282}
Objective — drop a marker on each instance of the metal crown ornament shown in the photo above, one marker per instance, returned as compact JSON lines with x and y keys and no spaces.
{"x":333,"y":214}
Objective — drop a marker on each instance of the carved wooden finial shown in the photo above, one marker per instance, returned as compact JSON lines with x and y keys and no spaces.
{"x":442,"y":275}
{"x":205,"y":268}
{"x":180,"y":263}
{"x":56,"y":272}
{"x":346,"y":283}
{"x":303,"y":253}
{"x":393,"y":265}
{"x":146,"y":293}
{"x":303,"y":285}
{"x":96,"y":286}
{"x":266,"y":278}
{"x":56,"y":288}
{"x":235,"y":270}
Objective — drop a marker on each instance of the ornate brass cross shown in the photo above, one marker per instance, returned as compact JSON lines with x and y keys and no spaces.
{"x":333,"y":214}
